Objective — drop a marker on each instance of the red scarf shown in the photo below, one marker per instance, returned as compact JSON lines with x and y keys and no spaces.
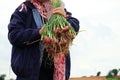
{"x":59,"y":70}
{"x":45,"y":9}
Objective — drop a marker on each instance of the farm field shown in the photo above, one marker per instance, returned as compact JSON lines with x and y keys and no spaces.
{"x":89,"y":78}
{"x":94,"y":78}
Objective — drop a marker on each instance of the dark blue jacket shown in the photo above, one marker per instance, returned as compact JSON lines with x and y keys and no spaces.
{"x":23,"y":35}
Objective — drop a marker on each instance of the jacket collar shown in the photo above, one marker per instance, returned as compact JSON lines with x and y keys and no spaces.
{"x":29,"y":4}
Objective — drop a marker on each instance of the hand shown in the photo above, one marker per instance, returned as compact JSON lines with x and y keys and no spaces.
{"x":41,"y":30}
{"x":60,"y":11}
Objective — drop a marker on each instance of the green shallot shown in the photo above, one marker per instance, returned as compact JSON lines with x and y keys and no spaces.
{"x":58,"y":34}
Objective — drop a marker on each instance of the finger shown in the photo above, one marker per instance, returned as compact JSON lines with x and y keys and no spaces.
{"x":57,"y":12}
{"x":59,"y":8}
{"x":41,"y":30}
{"x":43,"y":27}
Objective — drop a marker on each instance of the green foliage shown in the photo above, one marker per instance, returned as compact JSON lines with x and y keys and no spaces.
{"x":98,"y":73}
{"x":112,"y":78}
{"x":2,"y":77}
{"x":112,"y":73}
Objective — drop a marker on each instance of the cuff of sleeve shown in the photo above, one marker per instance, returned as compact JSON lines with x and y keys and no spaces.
{"x":35,"y":39}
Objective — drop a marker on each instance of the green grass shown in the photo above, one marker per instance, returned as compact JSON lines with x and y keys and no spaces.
{"x":112,"y":78}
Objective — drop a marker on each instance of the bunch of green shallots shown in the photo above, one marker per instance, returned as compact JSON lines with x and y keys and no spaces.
{"x":58,"y":34}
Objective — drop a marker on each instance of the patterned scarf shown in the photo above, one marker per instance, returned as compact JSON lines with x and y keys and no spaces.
{"x":59,"y":70}
{"x":45,"y":9}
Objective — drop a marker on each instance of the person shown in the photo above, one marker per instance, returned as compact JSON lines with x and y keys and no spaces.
{"x":24,"y":36}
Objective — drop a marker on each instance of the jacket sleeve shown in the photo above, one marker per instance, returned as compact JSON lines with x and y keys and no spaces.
{"x":18,"y":34}
{"x":73,"y":21}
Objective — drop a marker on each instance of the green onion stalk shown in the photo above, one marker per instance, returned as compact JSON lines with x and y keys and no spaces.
{"x":58,"y":34}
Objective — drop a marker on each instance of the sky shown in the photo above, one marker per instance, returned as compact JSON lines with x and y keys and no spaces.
{"x":96,"y":48}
